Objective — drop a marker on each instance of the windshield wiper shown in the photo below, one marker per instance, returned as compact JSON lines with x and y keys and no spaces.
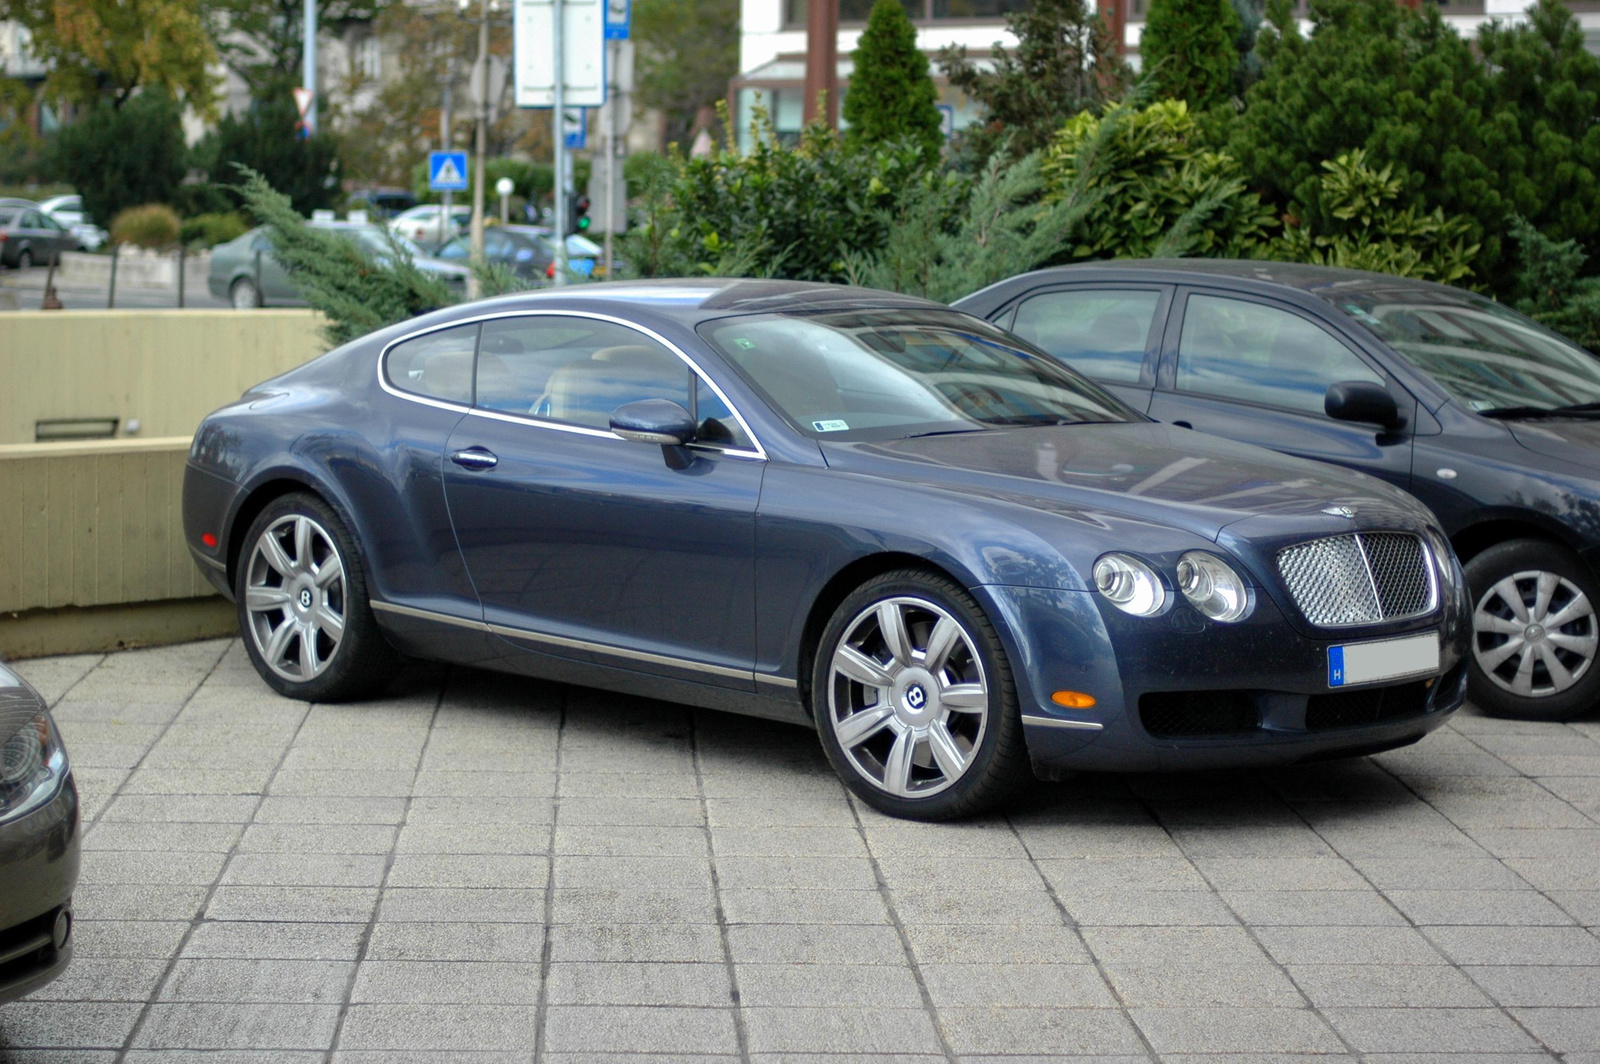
{"x":1530,"y":412}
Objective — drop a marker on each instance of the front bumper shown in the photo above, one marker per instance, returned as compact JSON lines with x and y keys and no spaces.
{"x":1178,"y":692}
{"x":38,"y":871}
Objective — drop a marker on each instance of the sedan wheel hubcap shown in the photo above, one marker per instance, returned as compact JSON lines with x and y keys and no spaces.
{"x":295,"y":597}
{"x":1534,"y":634}
{"x":907,"y":697}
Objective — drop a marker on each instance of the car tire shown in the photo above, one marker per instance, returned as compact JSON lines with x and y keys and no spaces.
{"x":303,"y":607}
{"x":244,"y":295}
{"x":914,"y":738}
{"x":1519,"y":668}
{"x":25,"y":259}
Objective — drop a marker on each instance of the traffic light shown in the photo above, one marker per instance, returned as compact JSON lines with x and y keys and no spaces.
{"x":580,"y":214}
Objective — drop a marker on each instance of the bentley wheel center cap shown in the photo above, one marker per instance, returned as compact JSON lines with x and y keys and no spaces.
{"x":1534,"y":633}
{"x":916,"y":701}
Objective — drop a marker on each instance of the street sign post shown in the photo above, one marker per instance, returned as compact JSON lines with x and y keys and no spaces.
{"x":619,"y":13}
{"x":575,"y":128}
{"x":447,"y":173}
{"x":583,"y":53}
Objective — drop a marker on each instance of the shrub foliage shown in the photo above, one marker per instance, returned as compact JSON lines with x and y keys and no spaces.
{"x":1190,"y":48}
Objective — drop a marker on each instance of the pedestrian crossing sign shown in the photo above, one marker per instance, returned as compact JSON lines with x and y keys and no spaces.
{"x":447,"y":171}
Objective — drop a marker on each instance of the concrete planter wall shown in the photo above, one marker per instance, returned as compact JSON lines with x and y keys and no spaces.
{"x":166,"y":369}
{"x":136,"y":268}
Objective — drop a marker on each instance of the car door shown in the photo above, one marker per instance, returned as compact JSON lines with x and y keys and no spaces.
{"x":53,"y":237}
{"x":271,"y":280}
{"x":1110,"y":333}
{"x":587,"y":546}
{"x":1256,"y":370}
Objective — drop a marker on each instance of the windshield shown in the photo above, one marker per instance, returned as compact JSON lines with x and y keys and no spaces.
{"x":888,"y":374}
{"x":1488,"y":356}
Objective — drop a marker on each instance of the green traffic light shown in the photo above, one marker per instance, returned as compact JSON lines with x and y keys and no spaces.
{"x":583,"y":223}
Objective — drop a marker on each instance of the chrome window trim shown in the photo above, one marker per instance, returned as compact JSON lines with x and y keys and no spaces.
{"x":531,"y":635}
{"x":756,"y":452}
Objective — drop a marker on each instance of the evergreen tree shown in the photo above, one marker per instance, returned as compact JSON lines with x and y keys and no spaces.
{"x":1065,"y":62}
{"x":120,"y":157}
{"x":1548,"y":84}
{"x":265,"y":140}
{"x":1190,"y":50}
{"x":891,"y":95}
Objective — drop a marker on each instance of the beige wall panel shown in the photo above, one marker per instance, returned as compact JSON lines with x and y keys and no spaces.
{"x":167,"y":368}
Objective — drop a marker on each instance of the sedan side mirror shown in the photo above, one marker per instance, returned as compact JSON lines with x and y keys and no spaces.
{"x":654,"y":421}
{"x":1363,"y":401}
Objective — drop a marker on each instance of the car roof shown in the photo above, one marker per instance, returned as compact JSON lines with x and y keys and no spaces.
{"x":692,"y":300}
{"x":1324,"y":281}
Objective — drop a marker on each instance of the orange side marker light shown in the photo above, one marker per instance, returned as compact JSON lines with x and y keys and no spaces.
{"x":1073,"y":699}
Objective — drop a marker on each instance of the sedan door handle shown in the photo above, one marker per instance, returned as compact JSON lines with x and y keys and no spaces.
{"x":474,"y":458}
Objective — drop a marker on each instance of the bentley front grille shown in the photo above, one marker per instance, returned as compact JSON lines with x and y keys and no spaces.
{"x":1360,"y":578}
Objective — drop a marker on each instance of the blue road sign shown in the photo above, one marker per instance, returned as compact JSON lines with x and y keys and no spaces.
{"x":447,"y":171}
{"x":618,"y":14}
{"x":576,"y":128}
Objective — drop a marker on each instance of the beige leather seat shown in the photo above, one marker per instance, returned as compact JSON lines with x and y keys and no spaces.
{"x":587,"y":391}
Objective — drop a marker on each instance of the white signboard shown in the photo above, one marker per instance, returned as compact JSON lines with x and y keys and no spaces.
{"x":584,"y":61}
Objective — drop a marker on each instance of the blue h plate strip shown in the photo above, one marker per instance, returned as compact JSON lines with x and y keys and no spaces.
{"x":1336,"y":666}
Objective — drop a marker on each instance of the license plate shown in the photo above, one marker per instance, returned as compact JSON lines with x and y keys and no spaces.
{"x":1385,"y":659}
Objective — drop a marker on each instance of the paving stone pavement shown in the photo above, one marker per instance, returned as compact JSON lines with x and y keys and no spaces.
{"x":494,"y":869}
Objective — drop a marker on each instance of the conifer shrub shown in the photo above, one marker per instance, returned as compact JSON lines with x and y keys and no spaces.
{"x":1189,"y":50}
{"x":892,"y":97}
{"x":154,"y":225}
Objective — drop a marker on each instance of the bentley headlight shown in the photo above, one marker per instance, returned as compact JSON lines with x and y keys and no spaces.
{"x":32,"y":760}
{"x":1130,"y":584}
{"x":1212,"y":587}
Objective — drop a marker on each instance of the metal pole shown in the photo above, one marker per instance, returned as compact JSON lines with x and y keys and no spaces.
{"x":821,"y":103}
{"x":612,"y":50}
{"x":480,"y":77}
{"x":310,"y":78}
{"x":182,"y":254}
{"x":444,"y":213}
{"x":111,"y":292}
{"x":559,"y":121}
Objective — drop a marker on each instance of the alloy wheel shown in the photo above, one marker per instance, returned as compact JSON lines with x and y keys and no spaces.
{"x":907,"y":697}
{"x":1534,"y":633}
{"x":295,"y":597}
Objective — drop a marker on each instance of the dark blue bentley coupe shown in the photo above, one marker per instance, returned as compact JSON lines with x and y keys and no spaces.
{"x":827,"y":505}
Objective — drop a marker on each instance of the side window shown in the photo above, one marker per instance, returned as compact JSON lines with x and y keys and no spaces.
{"x":438,"y":365}
{"x":1100,"y":333}
{"x":30,"y":220}
{"x":47,"y":222}
{"x":1260,"y":354}
{"x":718,"y":426}
{"x":574,"y":370}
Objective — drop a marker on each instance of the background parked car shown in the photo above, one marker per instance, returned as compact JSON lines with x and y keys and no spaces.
{"x":530,"y":251}
{"x":423,"y":226}
{"x":244,"y":271}
{"x":1486,"y":416}
{"x":38,"y":842}
{"x":29,"y":237}
{"x":68,"y":210}
{"x":381,"y":204}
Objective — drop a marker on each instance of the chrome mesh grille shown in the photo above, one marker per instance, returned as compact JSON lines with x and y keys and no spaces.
{"x":1359,"y":578}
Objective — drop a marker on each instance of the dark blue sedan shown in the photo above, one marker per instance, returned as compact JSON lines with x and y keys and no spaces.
{"x":829,"y":505}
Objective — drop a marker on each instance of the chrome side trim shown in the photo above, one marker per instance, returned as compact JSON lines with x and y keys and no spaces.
{"x":777,"y":681}
{"x":206,"y":559}
{"x":631,"y":655}
{"x":563,"y":641}
{"x":383,"y":382}
{"x":428,"y":615}
{"x":1058,"y":722}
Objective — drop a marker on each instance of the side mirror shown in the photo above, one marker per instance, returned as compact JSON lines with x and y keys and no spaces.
{"x":659,"y":421}
{"x":1362,"y":401}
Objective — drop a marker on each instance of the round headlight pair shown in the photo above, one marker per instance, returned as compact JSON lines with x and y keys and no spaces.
{"x":1209,"y":583}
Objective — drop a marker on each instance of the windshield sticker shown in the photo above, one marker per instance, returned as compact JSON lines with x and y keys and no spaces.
{"x":1482,"y":404}
{"x":741,"y":342}
{"x":830,"y":426}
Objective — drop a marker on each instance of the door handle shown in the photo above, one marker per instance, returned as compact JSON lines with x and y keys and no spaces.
{"x":474,"y":458}
{"x":1183,"y":424}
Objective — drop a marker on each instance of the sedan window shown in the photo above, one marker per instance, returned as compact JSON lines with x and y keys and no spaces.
{"x":1234,"y":349}
{"x":1100,"y":333}
{"x":437,"y":365}
{"x":574,"y":370}
{"x":1486,"y":355}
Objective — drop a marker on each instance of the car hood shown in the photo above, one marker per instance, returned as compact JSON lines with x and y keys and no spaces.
{"x":1147,"y":471}
{"x":1574,"y":440}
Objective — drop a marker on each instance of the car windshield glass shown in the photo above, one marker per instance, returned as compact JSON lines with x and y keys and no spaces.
{"x":6,"y":217}
{"x":1488,"y":356}
{"x":888,"y":374}
{"x":375,"y":241}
